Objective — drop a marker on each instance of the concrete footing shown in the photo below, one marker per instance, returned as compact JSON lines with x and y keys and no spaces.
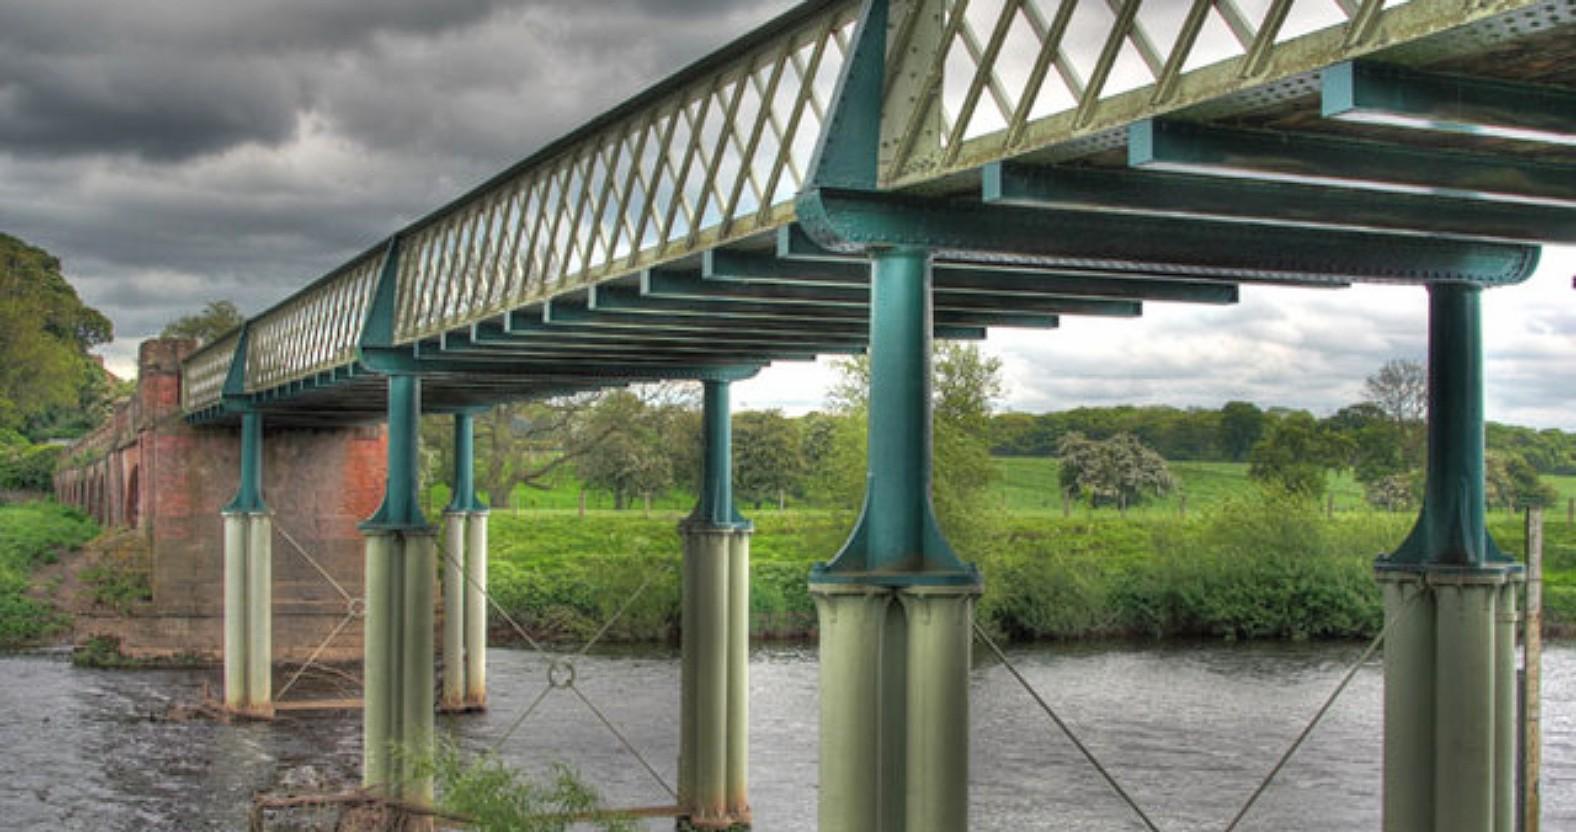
{"x":894,"y":707}
{"x":397,"y":715}
{"x":1449,"y":700}
{"x":714,"y":723}
{"x":248,"y":614}
{"x":464,"y":612}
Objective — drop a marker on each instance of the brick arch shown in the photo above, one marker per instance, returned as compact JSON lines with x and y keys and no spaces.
{"x":133,"y":512}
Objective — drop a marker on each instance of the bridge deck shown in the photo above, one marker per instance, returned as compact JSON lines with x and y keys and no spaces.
{"x":1061,"y":158}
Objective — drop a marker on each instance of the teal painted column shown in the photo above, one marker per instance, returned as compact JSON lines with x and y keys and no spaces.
{"x":398,"y":700}
{"x":464,"y":581}
{"x":896,"y":604}
{"x":248,"y":584}
{"x":1449,"y":671}
{"x":714,"y":710}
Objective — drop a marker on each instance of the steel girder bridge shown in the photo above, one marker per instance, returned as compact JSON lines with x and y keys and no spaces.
{"x":867,"y":176}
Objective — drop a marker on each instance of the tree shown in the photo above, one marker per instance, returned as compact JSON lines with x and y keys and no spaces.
{"x":1510,"y":481}
{"x":1241,"y":425}
{"x":1295,"y":455}
{"x":1119,"y":471}
{"x":215,"y":319}
{"x":767,"y":455}
{"x":965,"y":385}
{"x":623,"y":450}
{"x":1400,"y":389}
{"x":49,"y":384}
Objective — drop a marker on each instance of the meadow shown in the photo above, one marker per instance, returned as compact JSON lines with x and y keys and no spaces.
{"x":1236,"y":565}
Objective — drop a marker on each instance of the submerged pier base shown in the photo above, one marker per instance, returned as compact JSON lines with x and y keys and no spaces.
{"x":401,"y":569}
{"x":1450,"y":604}
{"x":464,"y":612}
{"x":896,"y":606}
{"x":248,"y":614}
{"x":714,"y":723}
{"x":248,"y":585}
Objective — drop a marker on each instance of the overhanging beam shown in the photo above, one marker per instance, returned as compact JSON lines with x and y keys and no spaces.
{"x":1271,"y":203}
{"x":1182,"y":147}
{"x":853,"y":221}
{"x":1369,"y":93}
{"x":568,"y":315}
{"x":619,"y":305}
{"x":728,"y":266}
{"x":676,"y":285}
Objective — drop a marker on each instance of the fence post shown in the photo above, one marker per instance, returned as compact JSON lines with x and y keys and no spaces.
{"x":1532,"y":677}
{"x":582,"y":502}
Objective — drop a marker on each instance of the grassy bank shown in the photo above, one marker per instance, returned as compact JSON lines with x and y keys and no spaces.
{"x":31,"y":535}
{"x":1248,"y":567}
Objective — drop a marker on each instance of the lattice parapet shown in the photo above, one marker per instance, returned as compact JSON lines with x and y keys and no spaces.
{"x":202,"y":377}
{"x":316,"y":329}
{"x":719,"y":156}
{"x":996,"y":78}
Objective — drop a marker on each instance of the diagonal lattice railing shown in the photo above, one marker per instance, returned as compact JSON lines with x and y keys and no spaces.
{"x":1000,"y":77}
{"x":315,"y":330}
{"x":717,"y":152}
{"x":719,"y":157}
{"x":203,"y":374}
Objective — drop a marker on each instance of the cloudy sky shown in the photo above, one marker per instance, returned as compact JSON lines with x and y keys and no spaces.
{"x":173,"y":152}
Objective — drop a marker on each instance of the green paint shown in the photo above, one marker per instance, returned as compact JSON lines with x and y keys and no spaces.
{"x":1187,"y":147}
{"x":1267,"y":202}
{"x":715,"y":507}
{"x":378,"y":329}
{"x":1393,"y":96}
{"x":1450,"y":531}
{"x":401,"y":509}
{"x":896,"y":541}
{"x":250,"y":496}
{"x":848,"y":152}
{"x":853,"y":221}
{"x":465,"y":464}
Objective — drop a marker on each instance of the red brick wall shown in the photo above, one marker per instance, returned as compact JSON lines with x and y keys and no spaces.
{"x":319,"y":483}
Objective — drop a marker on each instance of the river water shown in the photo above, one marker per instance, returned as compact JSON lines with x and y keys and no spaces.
{"x":1187,"y":729}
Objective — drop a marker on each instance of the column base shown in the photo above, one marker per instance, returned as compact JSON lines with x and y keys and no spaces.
{"x":894,"y":706}
{"x":1447,"y":670}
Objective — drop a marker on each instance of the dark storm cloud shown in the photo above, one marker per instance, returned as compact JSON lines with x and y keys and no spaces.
{"x":173,"y":152}
{"x":176,"y":151}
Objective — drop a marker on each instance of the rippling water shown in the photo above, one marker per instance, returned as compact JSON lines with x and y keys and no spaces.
{"x":1188,"y":730}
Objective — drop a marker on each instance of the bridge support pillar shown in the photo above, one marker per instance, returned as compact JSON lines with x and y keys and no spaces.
{"x":397,"y":712}
{"x":248,"y":585}
{"x":1449,"y":703}
{"x":896,"y":604}
{"x":464,"y":582}
{"x":715,"y":609}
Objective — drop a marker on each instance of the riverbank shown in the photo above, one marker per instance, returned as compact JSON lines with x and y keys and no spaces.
{"x":1248,"y":568}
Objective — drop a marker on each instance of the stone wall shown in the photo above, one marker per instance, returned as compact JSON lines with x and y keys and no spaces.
{"x":146,"y":468}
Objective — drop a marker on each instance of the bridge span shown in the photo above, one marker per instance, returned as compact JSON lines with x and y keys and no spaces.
{"x":865,"y":177}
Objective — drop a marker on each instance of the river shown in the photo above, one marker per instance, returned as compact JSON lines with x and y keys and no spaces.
{"x":1188,"y":729}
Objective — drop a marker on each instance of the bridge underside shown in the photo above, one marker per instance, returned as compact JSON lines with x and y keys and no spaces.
{"x":1430,"y":143}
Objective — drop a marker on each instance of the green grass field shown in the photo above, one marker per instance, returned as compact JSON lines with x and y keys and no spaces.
{"x":1030,"y":484}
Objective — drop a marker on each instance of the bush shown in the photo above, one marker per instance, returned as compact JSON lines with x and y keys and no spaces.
{"x":30,"y":535}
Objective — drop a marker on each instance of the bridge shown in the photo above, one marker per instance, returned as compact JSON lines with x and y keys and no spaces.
{"x":866,"y":177}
